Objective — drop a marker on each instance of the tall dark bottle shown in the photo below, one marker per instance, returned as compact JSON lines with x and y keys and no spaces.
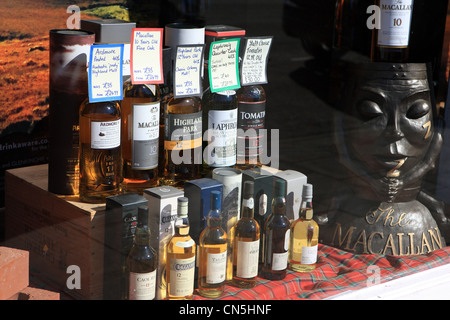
{"x":246,"y":242}
{"x":276,"y":236}
{"x":390,"y":37}
{"x":142,"y":262}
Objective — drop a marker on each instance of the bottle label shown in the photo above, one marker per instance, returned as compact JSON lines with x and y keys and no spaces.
{"x":279,"y":261}
{"x":395,"y":23}
{"x":249,"y":203}
{"x":105,"y":134}
{"x":145,"y":136}
{"x":309,"y":255}
{"x":247,"y":259}
{"x":222,"y":134}
{"x":216,"y":267}
{"x":142,"y":286}
{"x":185,"y":244}
{"x":251,"y":116}
{"x":182,"y":277}
{"x":183,"y":131}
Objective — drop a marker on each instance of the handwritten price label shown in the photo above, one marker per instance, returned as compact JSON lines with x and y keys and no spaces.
{"x":254,"y":61}
{"x":146,"y":56}
{"x":188,"y":69}
{"x":105,"y":72}
{"x":223,"y":65}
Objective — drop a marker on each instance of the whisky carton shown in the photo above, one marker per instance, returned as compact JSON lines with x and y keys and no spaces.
{"x":162,"y":204}
{"x":294,"y":188}
{"x":221,"y":32}
{"x":263,"y":194}
{"x":231,"y":207}
{"x":120,"y":227}
{"x":199,"y":194}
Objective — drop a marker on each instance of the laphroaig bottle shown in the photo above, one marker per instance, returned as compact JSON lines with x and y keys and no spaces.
{"x":140,"y":136}
{"x":182,"y":141}
{"x":220,"y":123}
{"x":276,"y":236}
{"x":304,"y":236}
{"x":100,"y":151}
{"x":212,"y":253}
{"x":180,"y":263}
{"x":142,"y":262}
{"x":251,"y":116}
{"x":246,"y":242}
{"x":390,"y":43}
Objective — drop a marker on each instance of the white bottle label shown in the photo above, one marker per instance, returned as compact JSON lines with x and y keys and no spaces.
{"x":142,"y":286}
{"x":222,"y":134}
{"x":145,"y":144}
{"x":105,"y":134}
{"x":247,"y":259}
{"x":395,"y":23}
{"x":182,"y":277}
{"x":309,"y":255}
{"x":216,"y":270}
{"x":279,"y":261}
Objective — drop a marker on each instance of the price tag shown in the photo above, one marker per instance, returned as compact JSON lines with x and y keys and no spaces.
{"x":105,"y":72}
{"x":188,"y":71}
{"x":223,"y":65}
{"x":146,"y":56}
{"x":254,"y":60}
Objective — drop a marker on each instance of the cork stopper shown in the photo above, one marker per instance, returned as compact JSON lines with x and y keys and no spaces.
{"x":182,"y":210}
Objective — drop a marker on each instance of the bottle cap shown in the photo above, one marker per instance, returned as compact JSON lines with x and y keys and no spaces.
{"x":182,"y":207}
{"x":307,"y":191}
{"x":215,"y":200}
{"x":248,"y":189}
{"x":142,"y":215}
{"x":280,"y":188}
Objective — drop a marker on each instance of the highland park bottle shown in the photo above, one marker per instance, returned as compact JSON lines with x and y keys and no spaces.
{"x":212,"y":253}
{"x":182,"y":141}
{"x":276,"y":236}
{"x":141,"y":261}
{"x":304,"y":236}
{"x":220,"y":126}
{"x":251,"y":116}
{"x":140,"y":136}
{"x":100,"y":151}
{"x":180,"y":263}
{"x":246,"y":242}
{"x":390,"y":43}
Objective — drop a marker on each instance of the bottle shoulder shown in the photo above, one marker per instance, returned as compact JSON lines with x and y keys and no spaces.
{"x":111,"y":108}
{"x":151,"y":91}
{"x":252,"y":93}
{"x":184,"y":105}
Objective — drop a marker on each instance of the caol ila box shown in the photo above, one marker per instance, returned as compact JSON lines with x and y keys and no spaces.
{"x":199,"y":194}
{"x":263,"y":194}
{"x":294,"y":188}
{"x":120,"y":226}
{"x":162,"y":206}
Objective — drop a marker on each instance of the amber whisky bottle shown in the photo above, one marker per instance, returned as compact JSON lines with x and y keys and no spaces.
{"x":100,"y":151}
{"x":142,"y":261}
{"x":276,"y":236}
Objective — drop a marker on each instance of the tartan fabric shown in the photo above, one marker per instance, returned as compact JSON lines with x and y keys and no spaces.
{"x":336,"y":271}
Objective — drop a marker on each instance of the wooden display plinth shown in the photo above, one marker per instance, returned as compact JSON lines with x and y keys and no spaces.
{"x":65,"y":237}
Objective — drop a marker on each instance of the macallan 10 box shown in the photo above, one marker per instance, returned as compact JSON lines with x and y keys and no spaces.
{"x":162,"y":212}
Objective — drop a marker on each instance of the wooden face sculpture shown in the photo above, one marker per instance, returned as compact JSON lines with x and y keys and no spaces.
{"x":387,"y":142}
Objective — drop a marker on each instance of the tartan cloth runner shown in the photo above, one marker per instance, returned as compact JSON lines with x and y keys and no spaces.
{"x":336,"y":271}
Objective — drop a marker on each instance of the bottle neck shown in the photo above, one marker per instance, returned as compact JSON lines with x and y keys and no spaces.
{"x":182,"y":226}
{"x":306,"y":209}
{"x":279,"y":206}
{"x":214,"y":218}
{"x":247,"y":208}
{"x":142,"y":235}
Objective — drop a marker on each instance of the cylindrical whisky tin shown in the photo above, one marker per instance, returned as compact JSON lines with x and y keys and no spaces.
{"x":181,"y":33}
{"x":69,"y":59}
{"x":231,"y":206}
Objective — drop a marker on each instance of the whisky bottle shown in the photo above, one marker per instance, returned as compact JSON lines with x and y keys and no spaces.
{"x":304,"y":236}
{"x":251,"y":116}
{"x":140,"y":136}
{"x":390,"y":43}
{"x":180,"y":263}
{"x":220,"y":127}
{"x":182,"y":141}
{"x":100,"y":151}
{"x":246,"y":242}
{"x":276,"y":236}
{"x":212,"y":253}
{"x":141,"y":261}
